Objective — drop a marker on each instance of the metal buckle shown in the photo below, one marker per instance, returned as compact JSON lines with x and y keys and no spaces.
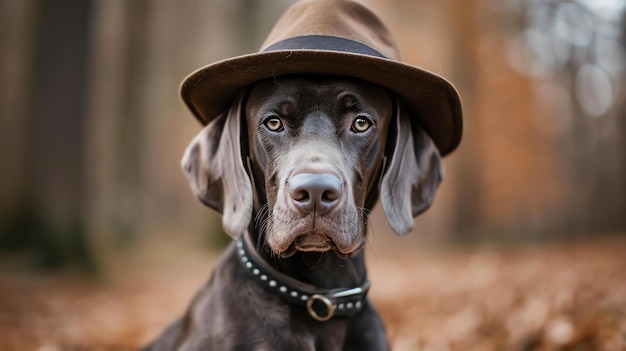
{"x":326,"y":301}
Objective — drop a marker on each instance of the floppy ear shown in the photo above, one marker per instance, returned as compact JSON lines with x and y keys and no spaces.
{"x":410,"y":182}
{"x":213,"y":165}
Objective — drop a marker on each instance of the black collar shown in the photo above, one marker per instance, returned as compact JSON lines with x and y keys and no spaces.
{"x":322,"y":304}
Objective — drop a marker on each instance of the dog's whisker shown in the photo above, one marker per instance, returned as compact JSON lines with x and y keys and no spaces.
{"x":263,"y":226}
{"x":259,"y":240}
{"x":261,"y":220}
{"x":364,"y":214}
{"x":262,"y":214}
{"x":369,"y":243}
{"x":320,"y":260}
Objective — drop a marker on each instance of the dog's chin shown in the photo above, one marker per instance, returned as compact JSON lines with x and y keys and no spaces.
{"x":315,"y":243}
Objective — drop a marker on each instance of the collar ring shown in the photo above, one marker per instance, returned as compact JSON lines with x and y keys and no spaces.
{"x":326,"y":301}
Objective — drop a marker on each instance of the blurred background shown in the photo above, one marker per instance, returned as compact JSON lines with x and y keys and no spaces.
{"x":93,"y":202}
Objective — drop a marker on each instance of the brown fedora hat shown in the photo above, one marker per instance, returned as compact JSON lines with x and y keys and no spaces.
{"x":331,"y":37}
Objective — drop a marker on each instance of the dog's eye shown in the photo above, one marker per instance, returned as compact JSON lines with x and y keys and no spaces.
{"x":274,"y":124}
{"x":361,"y":124}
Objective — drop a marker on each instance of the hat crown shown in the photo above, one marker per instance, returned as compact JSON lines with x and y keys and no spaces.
{"x":334,"y":18}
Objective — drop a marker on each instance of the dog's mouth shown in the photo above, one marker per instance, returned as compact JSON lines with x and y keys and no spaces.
{"x":313,"y":243}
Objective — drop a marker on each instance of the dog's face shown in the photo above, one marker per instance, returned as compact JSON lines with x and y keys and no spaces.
{"x":308,"y":157}
{"x":316,"y":146}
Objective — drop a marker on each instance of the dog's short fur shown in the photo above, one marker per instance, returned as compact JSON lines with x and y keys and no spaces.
{"x":261,"y":165}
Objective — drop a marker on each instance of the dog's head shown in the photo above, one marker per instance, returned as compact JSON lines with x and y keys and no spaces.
{"x":309,"y":156}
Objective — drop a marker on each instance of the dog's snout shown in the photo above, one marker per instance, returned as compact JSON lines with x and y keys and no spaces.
{"x":315,"y":192}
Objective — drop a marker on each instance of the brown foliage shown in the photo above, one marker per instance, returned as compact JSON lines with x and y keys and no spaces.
{"x":555,"y":297}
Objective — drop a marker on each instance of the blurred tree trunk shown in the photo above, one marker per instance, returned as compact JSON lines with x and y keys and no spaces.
{"x":17,"y":25}
{"x":127,"y":214}
{"x":595,"y":151}
{"x":49,"y":218}
{"x":621,"y":117}
{"x":468,"y":212}
{"x":108,"y":93}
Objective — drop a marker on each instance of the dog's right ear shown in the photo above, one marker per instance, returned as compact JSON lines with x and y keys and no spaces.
{"x":213,"y":165}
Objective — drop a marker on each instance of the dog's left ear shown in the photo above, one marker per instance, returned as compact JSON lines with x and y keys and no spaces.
{"x":213,"y":165}
{"x":414,"y":173}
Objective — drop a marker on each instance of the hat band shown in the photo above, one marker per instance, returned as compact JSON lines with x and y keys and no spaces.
{"x":323,"y":42}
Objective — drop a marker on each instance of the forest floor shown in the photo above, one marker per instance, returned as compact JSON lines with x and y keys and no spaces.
{"x":556,"y":296}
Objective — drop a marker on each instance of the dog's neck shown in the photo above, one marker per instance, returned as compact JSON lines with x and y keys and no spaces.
{"x":322,"y":269}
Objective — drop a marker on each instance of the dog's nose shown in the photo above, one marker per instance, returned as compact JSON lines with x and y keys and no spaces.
{"x":315,"y":192}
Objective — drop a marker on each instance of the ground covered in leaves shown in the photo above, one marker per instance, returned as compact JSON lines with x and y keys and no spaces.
{"x":558,"y":296}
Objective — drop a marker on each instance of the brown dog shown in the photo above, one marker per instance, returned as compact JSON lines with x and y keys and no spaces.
{"x":316,"y":147}
{"x":295,"y":165}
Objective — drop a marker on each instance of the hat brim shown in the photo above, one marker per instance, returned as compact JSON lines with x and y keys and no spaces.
{"x":432,"y":100}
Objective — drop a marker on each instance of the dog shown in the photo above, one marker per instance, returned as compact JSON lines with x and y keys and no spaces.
{"x":295,"y":164}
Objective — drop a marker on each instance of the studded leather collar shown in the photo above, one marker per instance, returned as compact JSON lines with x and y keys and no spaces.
{"x":321,"y":304}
